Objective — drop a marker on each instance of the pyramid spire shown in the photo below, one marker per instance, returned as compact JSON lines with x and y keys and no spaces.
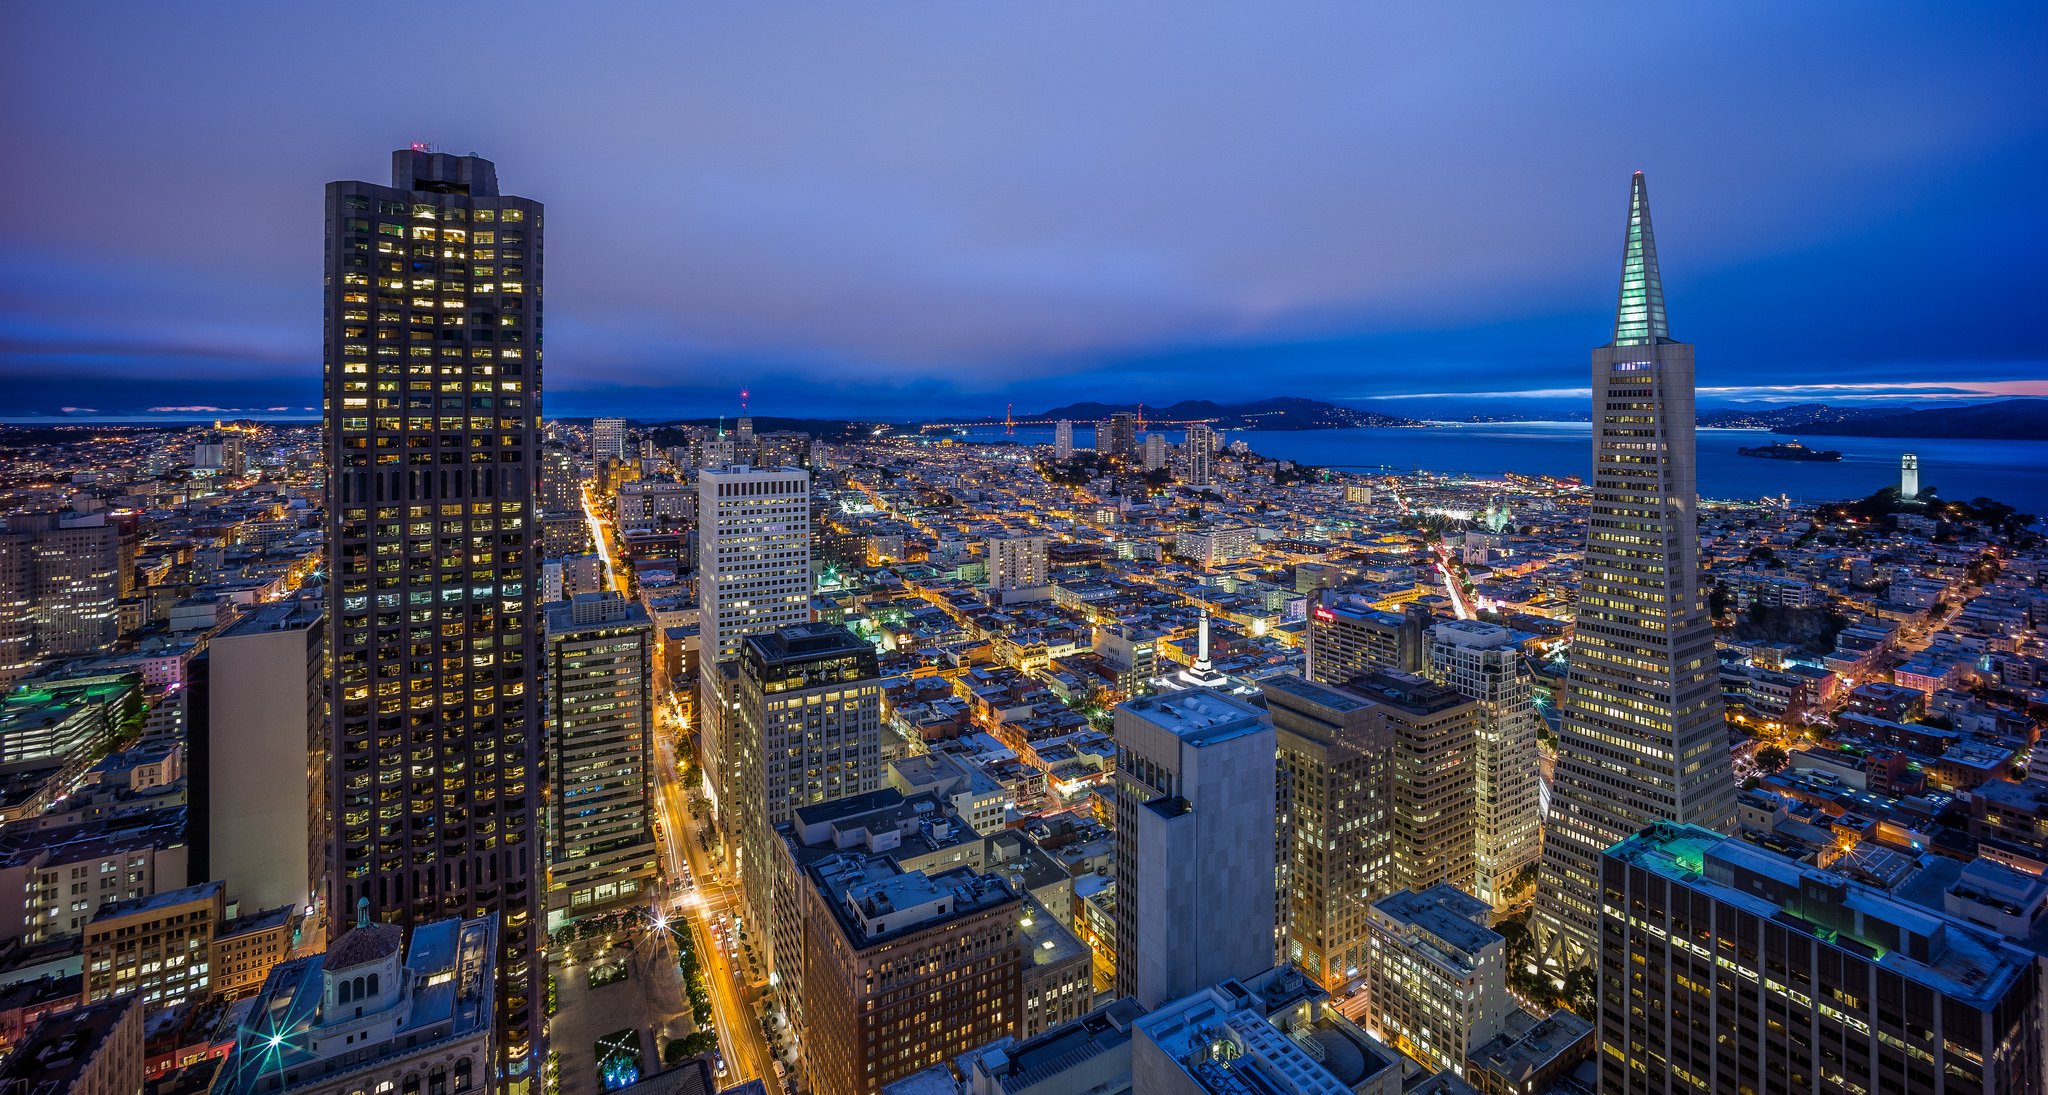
{"x":1639,"y":315}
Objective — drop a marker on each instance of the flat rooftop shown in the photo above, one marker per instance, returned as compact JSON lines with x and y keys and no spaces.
{"x":1929,"y":947}
{"x":1199,"y":716}
{"x":1302,"y":688}
{"x":1445,"y":914}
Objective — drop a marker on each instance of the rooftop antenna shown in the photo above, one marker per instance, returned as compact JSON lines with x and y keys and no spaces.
{"x":743,"y":402}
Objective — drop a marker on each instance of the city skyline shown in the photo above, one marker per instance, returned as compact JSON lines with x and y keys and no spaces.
{"x":883,"y":248}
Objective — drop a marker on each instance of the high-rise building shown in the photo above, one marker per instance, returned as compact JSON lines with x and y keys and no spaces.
{"x":1726,"y":967}
{"x":436,"y":748}
{"x":561,"y":487}
{"x":1347,"y":637}
{"x":1481,"y":662}
{"x":1435,"y":733}
{"x":806,"y":728}
{"x":65,"y":569}
{"x":600,"y":720}
{"x":1118,"y":437}
{"x":256,"y":762}
{"x":1017,"y":562}
{"x":1909,"y":477}
{"x":1195,"y":849}
{"x":1337,"y":762}
{"x":1643,"y":737}
{"x":753,"y":576}
{"x":1062,"y":439}
{"x":1437,"y":983}
{"x":1155,"y":451}
{"x":907,"y":968}
{"x":607,"y":439}
{"x":1201,"y":455}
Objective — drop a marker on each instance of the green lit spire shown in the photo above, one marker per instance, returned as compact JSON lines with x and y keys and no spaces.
{"x":1639,"y":317}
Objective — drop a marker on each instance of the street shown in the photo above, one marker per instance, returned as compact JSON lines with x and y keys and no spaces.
{"x":689,"y":890}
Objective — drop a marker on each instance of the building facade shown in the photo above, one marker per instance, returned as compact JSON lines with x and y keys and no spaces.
{"x":1063,"y":439}
{"x":1348,"y":637}
{"x":753,"y":576}
{"x":1196,"y":850}
{"x":1017,"y":562}
{"x":1337,"y":762}
{"x":433,"y":445}
{"x":257,"y":762}
{"x":157,"y":948}
{"x":607,"y":439}
{"x":1726,"y":967}
{"x":1435,"y":734}
{"x":1643,"y":737}
{"x":1481,"y":662}
{"x":600,"y":720}
{"x":1437,"y":983}
{"x":1201,"y":455}
{"x":807,"y":729}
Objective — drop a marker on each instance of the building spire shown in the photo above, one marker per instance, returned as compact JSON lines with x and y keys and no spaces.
{"x":1639,"y":316}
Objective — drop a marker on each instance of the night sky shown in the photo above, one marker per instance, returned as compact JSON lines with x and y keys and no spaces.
{"x":890,"y":209}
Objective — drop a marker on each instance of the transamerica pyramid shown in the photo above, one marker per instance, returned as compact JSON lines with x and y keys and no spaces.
{"x":1643,"y":738}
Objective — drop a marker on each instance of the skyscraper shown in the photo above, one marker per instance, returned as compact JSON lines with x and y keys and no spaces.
{"x":433,"y":347}
{"x":1347,"y":636}
{"x":600,"y":716}
{"x":1118,"y":437}
{"x":1155,"y":451}
{"x":607,"y":439}
{"x":753,"y":576}
{"x":1643,"y":738}
{"x":1337,"y":761}
{"x":1062,"y":439}
{"x":1201,"y":455}
{"x":1481,"y":662}
{"x":1195,"y":847}
{"x":806,"y":728}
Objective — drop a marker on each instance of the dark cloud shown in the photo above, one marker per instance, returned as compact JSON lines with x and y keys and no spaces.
{"x":854,"y":208}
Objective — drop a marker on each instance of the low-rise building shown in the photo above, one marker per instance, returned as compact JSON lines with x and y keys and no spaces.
{"x":87,"y":1051}
{"x":159,"y":947}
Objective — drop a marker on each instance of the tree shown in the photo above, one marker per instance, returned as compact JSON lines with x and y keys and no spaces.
{"x":1771,"y":758}
{"x":1580,"y":992}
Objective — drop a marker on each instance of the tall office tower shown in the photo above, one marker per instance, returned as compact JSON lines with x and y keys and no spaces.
{"x":72,"y":576}
{"x":600,"y":719}
{"x":432,"y":444}
{"x":1480,"y":661}
{"x":1155,"y":451}
{"x":1018,"y":562}
{"x":561,"y":489}
{"x":753,"y":576}
{"x":1195,"y":847}
{"x":1347,"y":637}
{"x":256,"y":757}
{"x":1201,"y":455}
{"x":1062,"y":439}
{"x":1435,"y":733}
{"x":1727,"y":967}
{"x":1337,"y":762}
{"x":17,"y":606}
{"x":607,"y":439}
{"x":1119,"y":436}
{"x":807,"y":729}
{"x":1909,"y":477}
{"x":1643,"y":738}
{"x":743,"y":430}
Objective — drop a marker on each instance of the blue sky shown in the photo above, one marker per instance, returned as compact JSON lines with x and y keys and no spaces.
{"x":891,"y":208}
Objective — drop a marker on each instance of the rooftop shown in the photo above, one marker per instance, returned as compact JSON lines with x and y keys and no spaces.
{"x":204,"y":891}
{"x":59,"y":1049}
{"x":1444,"y":914}
{"x":1926,"y":946}
{"x":1199,"y":717}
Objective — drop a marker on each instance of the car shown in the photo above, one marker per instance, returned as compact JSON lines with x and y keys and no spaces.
{"x":719,"y":1060}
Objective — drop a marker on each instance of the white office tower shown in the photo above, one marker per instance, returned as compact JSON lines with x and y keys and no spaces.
{"x":1481,"y":661}
{"x":753,"y":576}
{"x":1155,"y":451}
{"x":1195,"y":848}
{"x":1643,"y":738}
{"x":1909,"y":477}
{"x":608,"y":438}
{"x":1201,"y":455}
{"x":1017,"y":562}
{"x":1062,"y":439}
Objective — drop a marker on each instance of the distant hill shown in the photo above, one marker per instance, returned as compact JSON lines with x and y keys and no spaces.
{"x":2005,"y":420}
{"x":1281,"y":413}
